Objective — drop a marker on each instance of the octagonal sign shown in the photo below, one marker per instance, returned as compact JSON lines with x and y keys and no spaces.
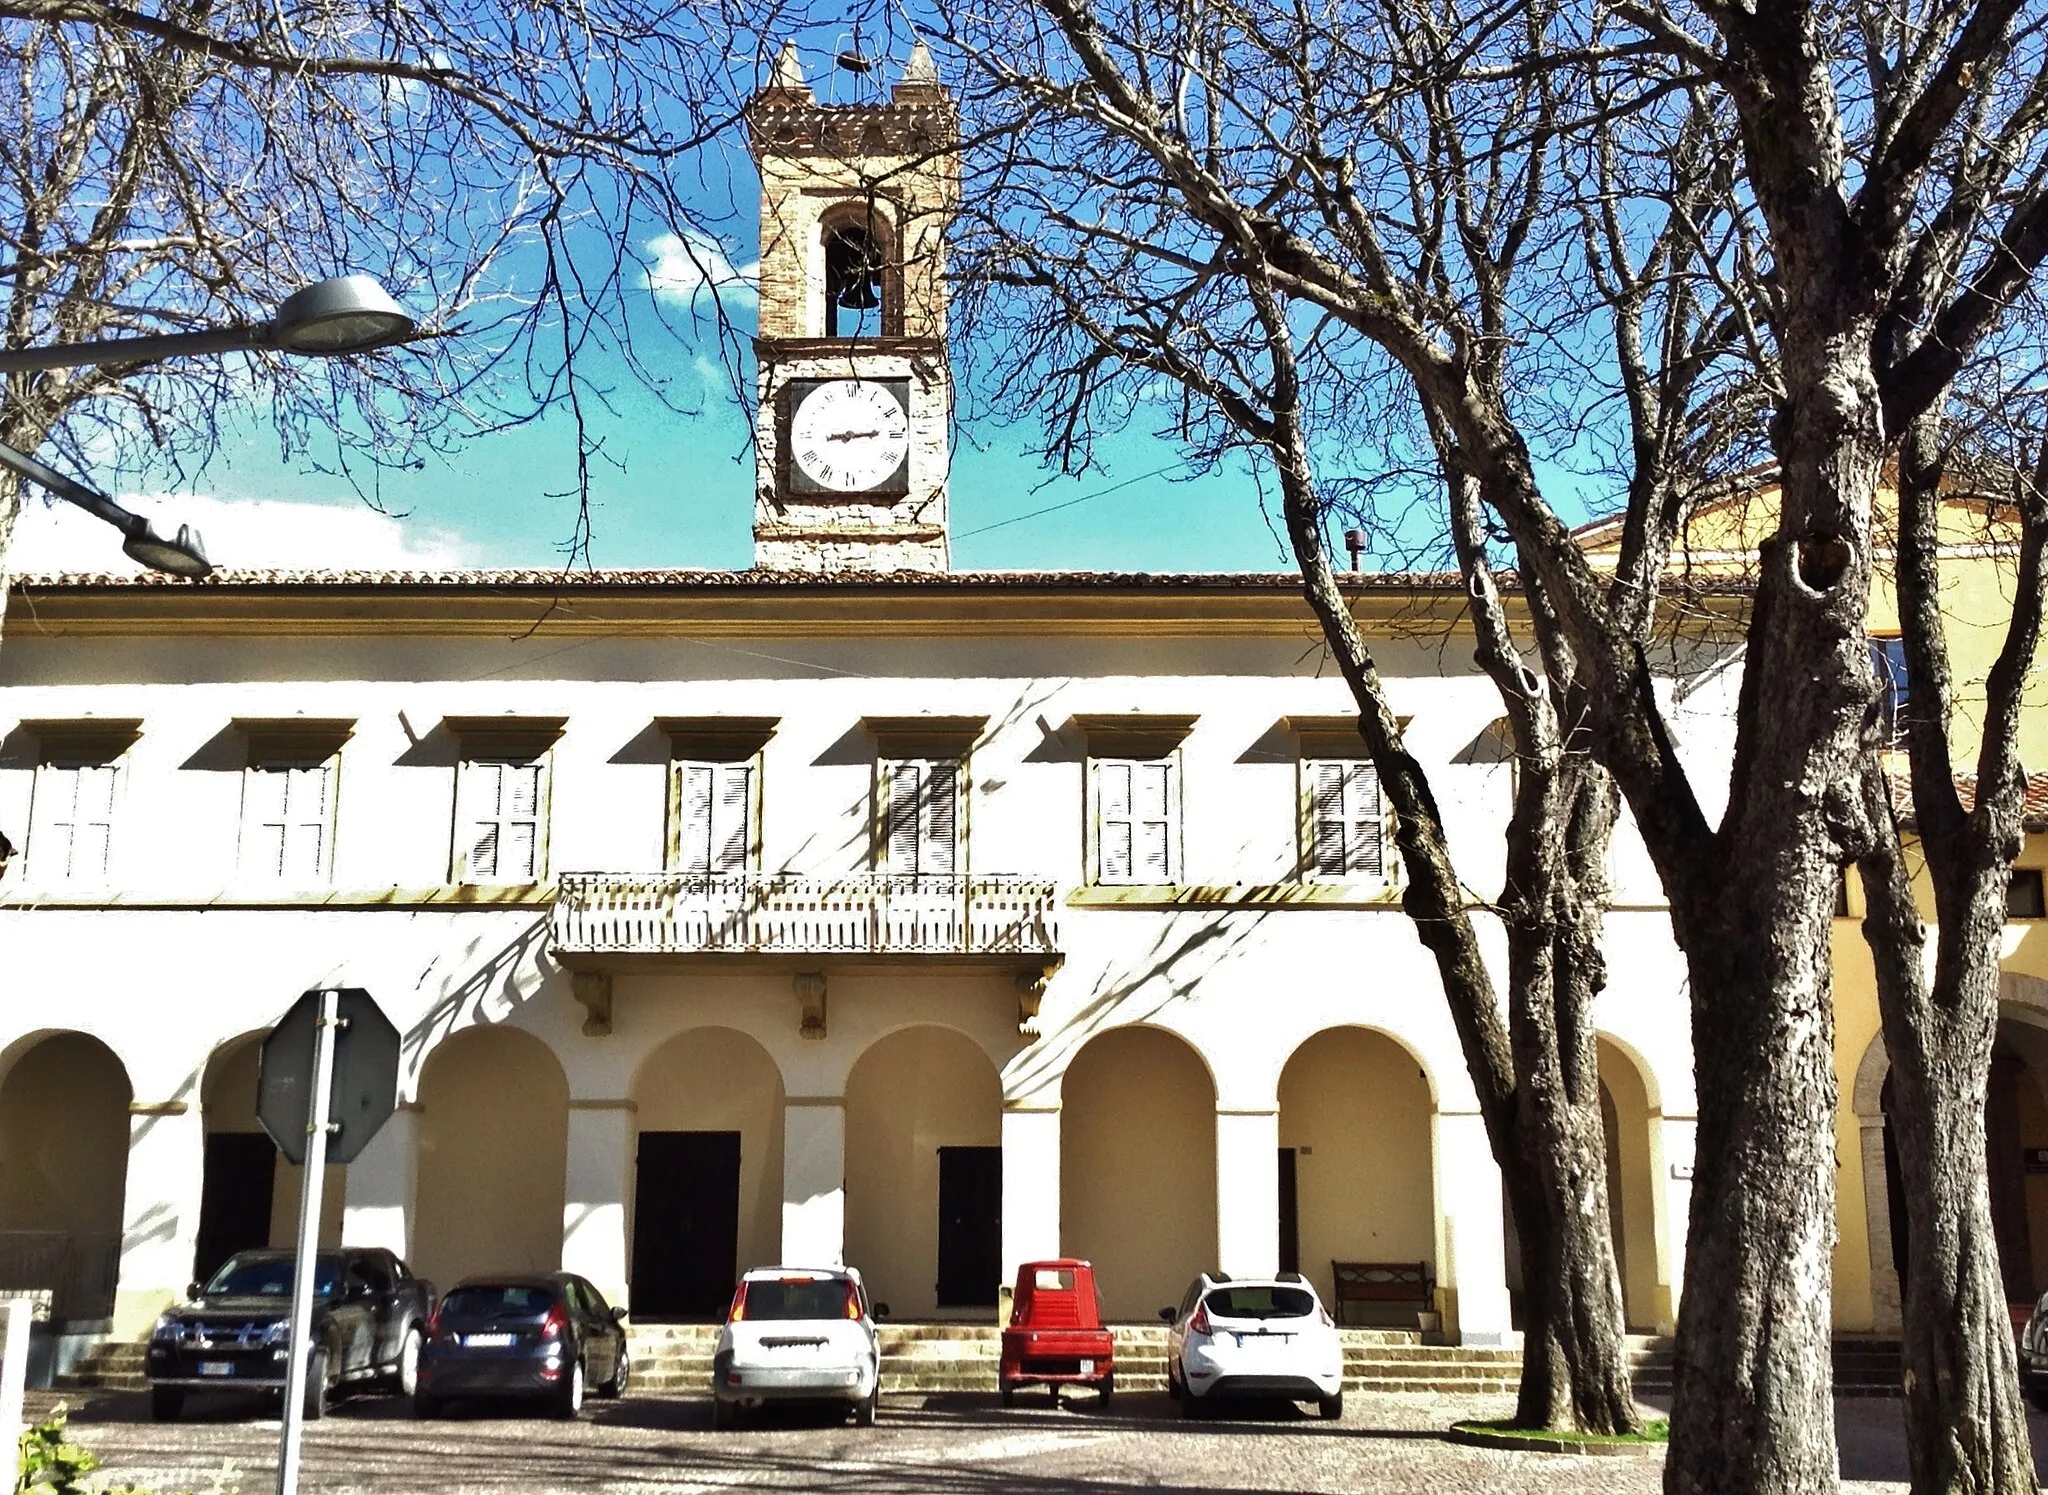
{"x":365,"y":1089}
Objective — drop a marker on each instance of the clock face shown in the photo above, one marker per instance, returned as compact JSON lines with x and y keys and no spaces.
{"x":849,"y":435}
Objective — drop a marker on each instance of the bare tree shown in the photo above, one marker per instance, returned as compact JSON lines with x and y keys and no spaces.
{"x":181,"y":163}
{"x":1119,"y":243}
{"x":1396,"y":175}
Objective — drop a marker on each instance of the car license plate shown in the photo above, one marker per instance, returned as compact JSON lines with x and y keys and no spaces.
{"x":489,"y":1341}
{"x":1264,"y":1341}
{"x":216,"y":1368}
{"x":1087,"y":1367}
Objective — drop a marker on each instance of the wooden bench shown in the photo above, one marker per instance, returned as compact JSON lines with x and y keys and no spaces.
{"x":1370,"y":1282}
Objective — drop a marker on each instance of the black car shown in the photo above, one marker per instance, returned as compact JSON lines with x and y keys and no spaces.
{"x":369,"y":1316}
{"x":546,"y":1337}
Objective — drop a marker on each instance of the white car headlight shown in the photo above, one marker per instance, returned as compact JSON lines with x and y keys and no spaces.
{"x":279,"y":1332}
{"x":166,"y":1327}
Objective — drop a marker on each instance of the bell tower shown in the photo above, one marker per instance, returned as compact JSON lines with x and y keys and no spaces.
{"x":855,"y":395}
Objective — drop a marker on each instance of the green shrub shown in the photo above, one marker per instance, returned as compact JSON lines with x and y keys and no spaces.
{"x":51,"y":1464}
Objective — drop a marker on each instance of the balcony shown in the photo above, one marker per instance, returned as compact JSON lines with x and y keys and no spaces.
{"x":608,"y":913}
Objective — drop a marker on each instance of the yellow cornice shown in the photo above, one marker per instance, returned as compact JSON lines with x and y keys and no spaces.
{"x":1183,"y":611}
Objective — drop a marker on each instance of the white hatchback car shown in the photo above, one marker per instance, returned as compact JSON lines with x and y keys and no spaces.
{"x":797,"y":1334}
{"x":1253,"y":1337}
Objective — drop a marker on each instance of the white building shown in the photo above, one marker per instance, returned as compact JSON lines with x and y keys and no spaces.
{"x":848,"y":908}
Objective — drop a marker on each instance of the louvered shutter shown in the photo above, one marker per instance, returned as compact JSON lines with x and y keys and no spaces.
{"x":519,"y":846}
{"x":905,"y":782}
{"x":77,"y":827}
{"x":1328,"y":825}
{"x":939,"y":838}
{"x":1152,"y":815}
{"x":697,"y":785}
{"x":1115,"y":836}
{"x":734,"y":821}
{"x":484,"y":785}
{"x":1366,"y":833}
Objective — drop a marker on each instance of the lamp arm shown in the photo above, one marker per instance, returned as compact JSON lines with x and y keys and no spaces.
{"x":152,"y":349}
{"x":95,"y":503}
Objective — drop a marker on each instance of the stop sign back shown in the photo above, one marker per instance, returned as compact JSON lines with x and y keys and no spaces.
{"x":365,"y":1089}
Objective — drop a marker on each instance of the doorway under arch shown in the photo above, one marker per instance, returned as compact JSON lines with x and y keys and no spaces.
{"x":493,"y":1155}
{"x":1625,"y":1117}
{"x":1138,"y":1167}
{"x":1355,"y":1117}
{"x":924,"y":1178}
{"x":707,"y":1192}
{"x":64,"y":1172}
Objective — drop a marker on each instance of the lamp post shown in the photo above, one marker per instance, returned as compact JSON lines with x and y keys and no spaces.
{"x":348,"y":314}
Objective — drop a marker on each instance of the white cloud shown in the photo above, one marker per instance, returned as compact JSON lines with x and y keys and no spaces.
{"x":690,"y":266}
{"x":240,"y":534}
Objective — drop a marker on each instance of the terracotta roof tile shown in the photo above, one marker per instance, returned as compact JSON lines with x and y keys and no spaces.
{"x":2034,"y":816}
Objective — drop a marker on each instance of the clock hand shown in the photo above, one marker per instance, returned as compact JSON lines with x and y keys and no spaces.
{"x":853,"y":435}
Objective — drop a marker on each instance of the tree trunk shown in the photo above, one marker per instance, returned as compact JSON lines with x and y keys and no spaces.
{"x":1965,"y":1420}
{"x":1966,"y":1425}
{"x":1753,"y":1406}
{"x":1575,"y":1369}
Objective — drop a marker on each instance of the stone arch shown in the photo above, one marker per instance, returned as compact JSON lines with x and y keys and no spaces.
{"x":64,"y":1136}
{"x":700,"y":1091}
{"x":493,"y":1154}
{"x":924,"y":1124}
{"x":1629,"y":1117}
{"x":859,"y":244}
{"x":1355,"y":1107}
{"x":1138,"y":1166}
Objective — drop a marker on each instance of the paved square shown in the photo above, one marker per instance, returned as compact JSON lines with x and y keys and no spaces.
{"x":963,"y":1445}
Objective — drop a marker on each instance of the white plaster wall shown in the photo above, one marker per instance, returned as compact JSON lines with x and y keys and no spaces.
{"x":192,"y":964}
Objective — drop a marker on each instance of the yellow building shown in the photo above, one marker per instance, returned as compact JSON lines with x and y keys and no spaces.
{"x":1979,"y":553}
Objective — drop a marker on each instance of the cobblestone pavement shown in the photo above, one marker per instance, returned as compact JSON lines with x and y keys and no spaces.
{"x":956,"y":1445}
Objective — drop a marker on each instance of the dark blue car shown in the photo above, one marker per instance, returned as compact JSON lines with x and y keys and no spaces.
{"x":547,"y":1338}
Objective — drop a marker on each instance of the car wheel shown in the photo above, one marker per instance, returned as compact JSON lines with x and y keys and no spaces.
{"x":1108,"y":1390}
{"x":425,"y":1408}
{"x":317,"y":1374}
{"x":570,"y":1404}
{"x":622,"y":1371}
{"x":1174,"y":1391}
{"x":864,"y":1411}
{"x":166,"y":1403}
{"x":405,"y":1373}
{"x":725,"y":1415}
{"x":1330,"y":1407}
{"x":1007,"y":1392}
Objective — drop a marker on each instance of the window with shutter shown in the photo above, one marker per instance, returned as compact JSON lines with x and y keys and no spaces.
{"x":921,"y":824}
{"x":1346,"y":820}
{"x":502,"y":838}
{"x":73,"y":823}
{"x":715,"y":818}
{"x":286,"y":817}
{"x":1137,"y":820}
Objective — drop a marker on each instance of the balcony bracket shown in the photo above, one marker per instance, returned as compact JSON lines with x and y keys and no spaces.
{"x":1030,"y":993}
{"x":810,"y":998}
{"x":594,"y":990}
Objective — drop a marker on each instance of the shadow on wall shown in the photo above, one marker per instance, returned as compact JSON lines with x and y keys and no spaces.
{"x":476,"y":988}
{"x":1170,"y":972}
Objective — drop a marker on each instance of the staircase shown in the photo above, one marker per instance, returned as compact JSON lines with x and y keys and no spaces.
{"x":670,"y":1358}
{"x":110,"y":1365}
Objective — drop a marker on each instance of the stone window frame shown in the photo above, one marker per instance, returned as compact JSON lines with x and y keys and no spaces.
{"x":508,"y":740}
{"x":901,"y":741}
{"x":1136,"y":739}
{"x":291,"y":743}
{"x":66,"y":746}
{"x":719,"y":743}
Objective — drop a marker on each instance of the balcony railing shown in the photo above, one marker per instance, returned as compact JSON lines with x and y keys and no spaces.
{"x":763,"y":913}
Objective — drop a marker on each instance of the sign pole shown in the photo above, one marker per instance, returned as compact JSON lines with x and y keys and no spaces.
{"x":305,"y":1267}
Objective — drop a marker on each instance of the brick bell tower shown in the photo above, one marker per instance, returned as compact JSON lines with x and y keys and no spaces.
{"x":856,"y":397}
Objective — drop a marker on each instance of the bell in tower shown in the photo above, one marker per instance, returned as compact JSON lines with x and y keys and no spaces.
{"x":855,"y":392}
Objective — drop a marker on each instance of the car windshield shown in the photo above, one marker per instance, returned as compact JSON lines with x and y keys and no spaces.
{"x":797,"y":1298}
{"x":1261,"y":1303}
{"x":483,"y":1300}
{"x":270,"y":1277}
{"x":1053,"y":1280}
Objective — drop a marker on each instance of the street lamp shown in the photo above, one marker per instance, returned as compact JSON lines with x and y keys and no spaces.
{"x":348,"y":314}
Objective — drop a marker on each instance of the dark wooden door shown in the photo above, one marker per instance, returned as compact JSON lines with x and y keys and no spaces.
{"x":970,"y":1226}
{"x":1290,"y":1214}
{"x":686,"y":1224}
{"x":234,"y":1198}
